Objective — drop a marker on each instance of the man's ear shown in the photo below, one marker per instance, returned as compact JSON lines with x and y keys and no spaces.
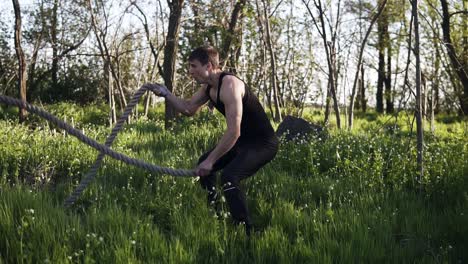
{"x":209,"y":66}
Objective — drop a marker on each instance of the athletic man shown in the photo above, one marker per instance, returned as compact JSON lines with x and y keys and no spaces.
{"x":249,"y":141}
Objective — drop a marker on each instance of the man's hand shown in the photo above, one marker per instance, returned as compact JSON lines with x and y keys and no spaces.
{"x":204,"y":168}
{"x":158,"y":89}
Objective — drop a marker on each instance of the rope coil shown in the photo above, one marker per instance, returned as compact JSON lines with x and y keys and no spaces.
{"x":103,"y":149}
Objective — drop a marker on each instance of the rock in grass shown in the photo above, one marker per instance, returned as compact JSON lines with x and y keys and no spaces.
{"x":297,"y":128}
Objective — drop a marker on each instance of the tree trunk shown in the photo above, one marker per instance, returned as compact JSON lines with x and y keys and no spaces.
{"x":263,"y":81}
{"x":170,"y":55}
{"x":274,"y":85}
{"x":402,"y":104}
{"x":21,"y":60}
{"x":423,"y":96}
{"x":457,"y":63}
{"x":436,"y":78}
{"x":147,"y":103}
{"x":360,"y":67}
{"x":357,"y":105}
{"x":106,"y":56}
{"x":332,"y":77}
{"x":363,"y":91}
{"x":431,"y":113}
{"x":154,"y":51}
{"x":388,"y":78}
{"x":231,"y":34}
{"x":32,"y":65}
{"x":53,"y":38}
{"x":328,"y":99}
{"x":112,"y":114}
{"x":380,"y":82}
{"x":331,"y":92}
{"x":237,"y":52}
{"x":32,"y":62}
{"x":382,"y":29}
{"x":419,"y":118}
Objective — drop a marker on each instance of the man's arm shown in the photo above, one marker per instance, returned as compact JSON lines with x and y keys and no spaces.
{"x":186,"y":107}
{"x":190,"y":107}
{"x":231,"y":95}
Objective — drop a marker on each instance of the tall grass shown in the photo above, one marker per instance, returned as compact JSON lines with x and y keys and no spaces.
{"x":351,"y":197}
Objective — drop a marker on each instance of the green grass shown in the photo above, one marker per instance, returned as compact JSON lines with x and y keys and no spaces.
{"x":350,"y":198}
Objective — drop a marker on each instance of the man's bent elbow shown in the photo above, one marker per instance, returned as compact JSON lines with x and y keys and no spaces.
{"x":235,"y":134}
{"x":188,"y":112}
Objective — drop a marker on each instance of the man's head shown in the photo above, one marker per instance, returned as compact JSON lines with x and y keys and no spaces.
{"x":203,"y":61}
{"x":205,"y":55}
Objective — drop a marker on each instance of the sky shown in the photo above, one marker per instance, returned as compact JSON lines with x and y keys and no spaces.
{"x":7,"y":11}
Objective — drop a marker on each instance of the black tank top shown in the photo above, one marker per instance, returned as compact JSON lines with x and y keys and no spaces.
{"x":255,"y":126}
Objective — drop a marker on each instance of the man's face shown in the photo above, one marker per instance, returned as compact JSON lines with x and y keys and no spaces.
{"x":198,"y":71}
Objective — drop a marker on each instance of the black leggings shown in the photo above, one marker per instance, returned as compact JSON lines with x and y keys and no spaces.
{"x":242,"y":161}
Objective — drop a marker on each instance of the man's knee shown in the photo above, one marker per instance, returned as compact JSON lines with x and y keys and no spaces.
{"x":208,"y":182}
{"x":229,"y":181}
{"x":202,"y":158}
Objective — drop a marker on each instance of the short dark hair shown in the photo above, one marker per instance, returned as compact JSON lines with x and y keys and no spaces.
{"x":205,"y":54}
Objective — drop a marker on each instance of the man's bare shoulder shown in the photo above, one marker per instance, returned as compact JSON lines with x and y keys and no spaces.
{"x":203,"y":86}
{"x":233,"y":84}
{"x":230,"y":79}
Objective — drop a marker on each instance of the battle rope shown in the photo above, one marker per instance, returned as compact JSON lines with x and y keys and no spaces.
{"x":103,"y":149}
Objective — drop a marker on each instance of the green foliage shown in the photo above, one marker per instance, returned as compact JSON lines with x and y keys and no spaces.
{"x":7,"y":112}
{"x":40,"y":156}
{"x":350,"y":197}
{"x":95,"y":114}
{"x":80,"y":85}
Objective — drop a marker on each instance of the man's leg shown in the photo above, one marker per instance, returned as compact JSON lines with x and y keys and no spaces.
{"x":238,"y":208}
{"x":248,"y":161}
{"x":209,"y":182}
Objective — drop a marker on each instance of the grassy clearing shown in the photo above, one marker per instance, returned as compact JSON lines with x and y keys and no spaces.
{"x":352,"y":197}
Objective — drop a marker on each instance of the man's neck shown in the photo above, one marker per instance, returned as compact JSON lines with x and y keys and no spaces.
{"x":214,"y":78}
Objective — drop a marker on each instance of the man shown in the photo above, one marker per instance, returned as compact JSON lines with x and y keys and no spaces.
{"x":249,"y":141}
